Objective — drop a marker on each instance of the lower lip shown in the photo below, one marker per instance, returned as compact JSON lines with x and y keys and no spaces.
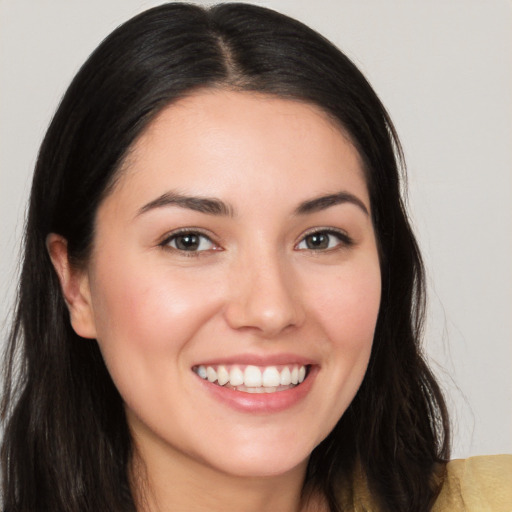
{"x":263,"y":403}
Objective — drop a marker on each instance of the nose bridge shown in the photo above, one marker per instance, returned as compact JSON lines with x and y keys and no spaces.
{"x":263,"y":292}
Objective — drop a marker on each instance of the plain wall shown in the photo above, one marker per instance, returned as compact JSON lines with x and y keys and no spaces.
{"x":444,"y":71}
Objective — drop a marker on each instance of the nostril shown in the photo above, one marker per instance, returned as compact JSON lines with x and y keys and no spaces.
{"x":264,"y":297}
{"x":264,"y":314}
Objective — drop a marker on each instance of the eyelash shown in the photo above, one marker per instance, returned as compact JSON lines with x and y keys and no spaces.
{"x":344,"y":241}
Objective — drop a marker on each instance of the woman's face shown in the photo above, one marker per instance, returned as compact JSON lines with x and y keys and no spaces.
{"x":237,"y":246}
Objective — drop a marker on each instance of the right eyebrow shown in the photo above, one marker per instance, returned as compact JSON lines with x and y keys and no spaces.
{"x":323,"y":202}
{"x":208,"y":205}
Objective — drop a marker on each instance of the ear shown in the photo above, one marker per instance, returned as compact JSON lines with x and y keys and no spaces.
{"x":75,"y":287}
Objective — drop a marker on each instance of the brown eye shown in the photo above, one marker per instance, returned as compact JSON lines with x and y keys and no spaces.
{"x":324,"y":240}
{"x":317,"y":241}
{"x":190,"y":242}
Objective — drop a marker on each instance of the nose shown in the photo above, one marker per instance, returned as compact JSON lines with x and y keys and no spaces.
{"x":264,"y":296}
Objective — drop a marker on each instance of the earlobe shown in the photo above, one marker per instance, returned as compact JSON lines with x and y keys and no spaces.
{"x":75,"y":287}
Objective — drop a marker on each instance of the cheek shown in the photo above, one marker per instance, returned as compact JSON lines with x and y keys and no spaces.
{"x":347,"y":306}
{"x":140,"y":307}
{"x":343,"y":306}
{"x":147,"y":319}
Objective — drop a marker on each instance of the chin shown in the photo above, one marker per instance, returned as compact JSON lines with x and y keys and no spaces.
{"x":263,"y":462}
{"x":266,"y":468}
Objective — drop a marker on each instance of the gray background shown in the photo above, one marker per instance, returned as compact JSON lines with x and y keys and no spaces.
{"x":444,"y":71}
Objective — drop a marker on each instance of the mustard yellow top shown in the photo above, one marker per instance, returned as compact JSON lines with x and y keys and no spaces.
{"x":477,"y":484}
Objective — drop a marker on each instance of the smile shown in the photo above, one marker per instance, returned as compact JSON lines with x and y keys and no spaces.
{"x":254,"y":379}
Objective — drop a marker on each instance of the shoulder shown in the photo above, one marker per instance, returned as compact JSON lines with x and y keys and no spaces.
{"x":477,"y":484}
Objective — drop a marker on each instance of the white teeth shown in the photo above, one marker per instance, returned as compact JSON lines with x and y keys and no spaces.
{"x":255,"y":390}
{"x":211,"y":374}
{"x":236,"y":376}
{"x":222,"y":375}
{"x":286,"y":377}
{"x":201,"y":371}
{"x":252,"y":377}
{"x":271,"y":377}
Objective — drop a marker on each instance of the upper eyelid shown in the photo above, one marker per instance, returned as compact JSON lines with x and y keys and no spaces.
{"x":324,"y":229}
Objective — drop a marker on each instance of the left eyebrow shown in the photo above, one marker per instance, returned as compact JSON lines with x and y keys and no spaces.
{"x":323,"y":202}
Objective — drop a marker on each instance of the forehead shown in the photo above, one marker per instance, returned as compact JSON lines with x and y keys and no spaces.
{"x":215,"y":138}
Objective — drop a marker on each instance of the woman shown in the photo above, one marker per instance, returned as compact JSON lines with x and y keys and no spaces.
{"x":221,"y":297}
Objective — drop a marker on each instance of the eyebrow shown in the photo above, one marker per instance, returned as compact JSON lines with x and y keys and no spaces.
{"x":211,"y":206}
{"x":324,"y":202}
{"x":214,"y":206}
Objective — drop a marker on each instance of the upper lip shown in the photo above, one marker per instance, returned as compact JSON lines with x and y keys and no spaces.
{"x":258,"y":360}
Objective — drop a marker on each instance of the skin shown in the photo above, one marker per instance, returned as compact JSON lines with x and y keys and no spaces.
{"x":255,"y":287}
